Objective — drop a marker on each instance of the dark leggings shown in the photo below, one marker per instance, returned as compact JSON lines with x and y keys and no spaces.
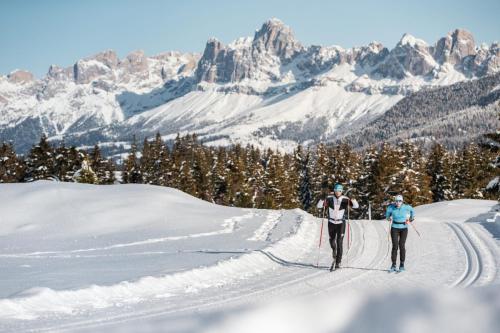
{"x":336,"y":233}
{"x":398,"y":237}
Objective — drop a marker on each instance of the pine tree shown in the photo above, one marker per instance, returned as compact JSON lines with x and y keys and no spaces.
{"x":439,"y":170}
{"x":412,"y":177}
{"x":320,"y":186}
{"x":132,"y":170}
{"x":187,"y":182}
{"x":470,"y":173}
{"x":491,"y":146}
{"x":219,"y":177}
{"x":201,"y":173}
{"x":12,"y":168}
{"x":160,"y":156}
{"x":368,"y":186}
{"x":147,"y":162}
{"x":301,"y":164}
{"x":387,"y":168}
{"x":176,"y":157}
{"x":86,"y":174}
{"x":40,"y":161}
{"x":67,"y":161}
{"x":270,"y":190}
{"x":238,"y":189}
{"x":255,"y":176}
{"x":288,"y":182}
{"x":104,"y":169}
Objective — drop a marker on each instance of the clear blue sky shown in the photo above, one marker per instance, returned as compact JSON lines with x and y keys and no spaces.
{"x":37,"y":33}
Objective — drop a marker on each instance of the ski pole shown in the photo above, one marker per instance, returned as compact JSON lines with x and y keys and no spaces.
{"x":320,"y":236}
{"x":418,"y":233}
{"x":348,"y":233}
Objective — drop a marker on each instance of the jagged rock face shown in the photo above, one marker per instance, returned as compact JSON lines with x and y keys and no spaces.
{"x":410,"y":56}
{"x":318,"y":59}
{"x":185,"y":69}
{"x":273,"y":45}
{"x":210,"y":61}
{"x":492,"y":63}
{"x":372,"y":55}
{"x":274,"y":48}
{"x":276,"y":38}
{"x":135,"y":63}
{"x":454,"y":47}
{"x":20,"y":77}
{"x":60,"y":74}
{"x":85,"y":71}
{"x":98,"y":66}
{"x":108,"y":58}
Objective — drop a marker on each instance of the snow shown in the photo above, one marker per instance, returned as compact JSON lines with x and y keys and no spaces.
{"x":493,"y":183}
{"x":241,"y":43}
{"x":131,"y":258}
{"x":409,"y":40}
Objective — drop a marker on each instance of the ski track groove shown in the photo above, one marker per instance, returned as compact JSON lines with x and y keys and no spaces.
{"x":474,"y":264}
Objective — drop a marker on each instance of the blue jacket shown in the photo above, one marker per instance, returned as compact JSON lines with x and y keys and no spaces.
{"x":399,"y":215}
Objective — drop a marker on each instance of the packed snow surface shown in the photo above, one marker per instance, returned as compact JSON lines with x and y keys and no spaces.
{"x":139,"y":258}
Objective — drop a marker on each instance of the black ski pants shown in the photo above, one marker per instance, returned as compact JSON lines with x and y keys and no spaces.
{"x":336,"y":233}
{"x":398,"y":237}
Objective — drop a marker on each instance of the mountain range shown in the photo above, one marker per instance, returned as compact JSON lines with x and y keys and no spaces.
{"x":268,"y":90}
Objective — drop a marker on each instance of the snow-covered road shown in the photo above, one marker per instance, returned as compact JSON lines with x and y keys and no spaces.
{"x":143,"y":258}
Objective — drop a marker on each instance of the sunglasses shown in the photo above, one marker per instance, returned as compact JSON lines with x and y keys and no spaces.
{"x":399,"y":200}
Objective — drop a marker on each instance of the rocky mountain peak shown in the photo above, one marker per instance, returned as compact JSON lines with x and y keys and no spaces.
{"x":454,"y":47}
{"x":108,"y":58}
{"x":277,"y":38}
{"x":411,"y":41}
{"x":135,"y":62}
{"x":20,"y":76}
{"x":61,"y":74}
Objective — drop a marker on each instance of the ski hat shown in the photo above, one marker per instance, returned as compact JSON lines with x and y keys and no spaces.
{"x":398,"y":197}
{"x":338,"y":187}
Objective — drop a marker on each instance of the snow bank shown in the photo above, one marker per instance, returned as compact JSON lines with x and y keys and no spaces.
{"x":37,"y":301}
{"x":453,"y":211}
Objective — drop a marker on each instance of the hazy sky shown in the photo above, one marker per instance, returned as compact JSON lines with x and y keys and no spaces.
{"x":37,"y":33}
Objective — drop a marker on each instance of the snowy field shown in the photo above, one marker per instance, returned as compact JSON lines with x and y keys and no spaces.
{"x":138,"y":258}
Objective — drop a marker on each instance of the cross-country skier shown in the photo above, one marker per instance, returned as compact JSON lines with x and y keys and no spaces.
{"x":399,"y":214}
{"x":335,"y":206}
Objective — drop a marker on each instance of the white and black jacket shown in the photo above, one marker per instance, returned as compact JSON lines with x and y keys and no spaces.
{"x":336,"y":207}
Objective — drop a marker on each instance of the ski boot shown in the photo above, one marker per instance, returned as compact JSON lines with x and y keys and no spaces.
{"x":332,"y":267}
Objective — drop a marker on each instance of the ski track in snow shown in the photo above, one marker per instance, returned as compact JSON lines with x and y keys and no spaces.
{"x":289,"y":267}
{"x":265,"y":230}
{"x":229,"y":226}
{"x":475,"y":253}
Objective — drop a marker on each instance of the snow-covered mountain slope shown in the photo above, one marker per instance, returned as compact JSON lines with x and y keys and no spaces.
{"x":267,"y":89}
{"x":130,"y":258}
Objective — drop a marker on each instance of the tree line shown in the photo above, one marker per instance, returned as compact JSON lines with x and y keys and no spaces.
{"x":245,"y":176}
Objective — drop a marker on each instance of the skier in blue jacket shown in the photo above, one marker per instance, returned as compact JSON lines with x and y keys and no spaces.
{"x":400,"y":215}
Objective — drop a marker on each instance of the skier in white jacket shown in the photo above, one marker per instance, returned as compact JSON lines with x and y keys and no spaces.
{"x":335,"y":206}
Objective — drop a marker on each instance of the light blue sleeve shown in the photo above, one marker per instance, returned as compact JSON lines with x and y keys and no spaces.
{"x":388,"y":212}
{"x":412,"y":213}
